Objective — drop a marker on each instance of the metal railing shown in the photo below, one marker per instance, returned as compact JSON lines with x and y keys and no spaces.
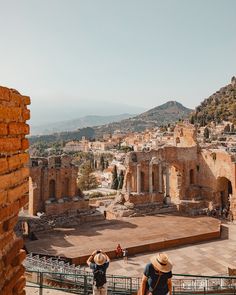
{"x":82,"y":283}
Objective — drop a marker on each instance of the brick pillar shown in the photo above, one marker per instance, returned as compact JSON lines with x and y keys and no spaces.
{"x":150,"y":179}
{"x":160,"y":177}
{"x":14,"y":187}
{"x":139,"y":178}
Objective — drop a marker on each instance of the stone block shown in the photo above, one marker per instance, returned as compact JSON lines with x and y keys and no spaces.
{"x":17,"y":128}
{"x":3,"y":129}
{"x":26,"y":115}
{"x":3,"y":165}
{"x":18,"y":192}
{"x":10,"y":144}
{"x":4,"y":93}
{"x":24,"y":144}
{"x":10,"y":114}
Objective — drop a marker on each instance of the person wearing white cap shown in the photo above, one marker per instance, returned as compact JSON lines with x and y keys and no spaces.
{"x":99,"y":267}
{"x":157,"y":276}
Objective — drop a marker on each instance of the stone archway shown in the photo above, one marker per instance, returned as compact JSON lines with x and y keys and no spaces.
{"x":175,"y":179}
{"x":142,"y":181}
{"x":66,"y":187}
{"x":224,"y":190}
{"x":52,"y":189}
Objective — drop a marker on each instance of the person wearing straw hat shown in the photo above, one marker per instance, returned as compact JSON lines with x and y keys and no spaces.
{"x":157,"y":275}
{"x":99,"y":267}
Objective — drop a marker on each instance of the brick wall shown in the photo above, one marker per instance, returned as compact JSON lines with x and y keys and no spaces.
{"x":13,"y":187}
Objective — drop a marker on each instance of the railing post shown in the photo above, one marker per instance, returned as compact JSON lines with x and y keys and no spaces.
{"x":204,"y":292}
{"x":40,"y":283}
{"x":85,"y":285}
{"x":173,"y":290}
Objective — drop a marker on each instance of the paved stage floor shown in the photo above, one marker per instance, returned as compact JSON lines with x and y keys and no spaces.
{"x":129,"y":232}
{"x":206,"y":258}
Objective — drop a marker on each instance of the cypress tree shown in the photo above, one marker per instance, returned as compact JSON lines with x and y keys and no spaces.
{"x":115,"y":181}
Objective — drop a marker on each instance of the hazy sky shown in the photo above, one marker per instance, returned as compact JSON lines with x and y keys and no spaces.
{"x":80,"y":56}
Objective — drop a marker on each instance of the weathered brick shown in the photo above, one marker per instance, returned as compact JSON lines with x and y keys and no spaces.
{"x":14,"y":162}
{"x":24,"y":158}
{"x":6,"y":239}
{"x":9,"y":210}
{"x":26,"y":115}
{"x":3,"y":129}
{"x":13,"y":186}
{"x":19,"y":286}
{"x":13,"y":178}
{"x":10,"y":255}
{"x":24,"y":200}
{"x":19,"y":176}
{"x":10,"y":223}
{"x":17,"y":192}
{"x":19,"y":258}
{"x":24,"y":144}
{"x":10,"y":144}
{"x":26,"y":100}
{"x":7,"y":290}
{"x":10,"y":114}
{"x":17,"y":98}
{"x":3,"y":197}
{"x":18,"y":128}
{"x":5,"y":181}
{"x":4,"y":93}
{"x":3,"y":165}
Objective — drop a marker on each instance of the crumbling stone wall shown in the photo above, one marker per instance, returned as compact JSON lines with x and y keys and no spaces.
{"x":184,"y":173}
{"x":53,"y":186}
{"x":13,"y":187}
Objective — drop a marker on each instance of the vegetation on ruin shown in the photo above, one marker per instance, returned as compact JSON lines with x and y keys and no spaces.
{"x":87,"y":179}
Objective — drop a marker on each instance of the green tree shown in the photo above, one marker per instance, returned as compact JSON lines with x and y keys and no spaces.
{"x":192,"y":120}
{"x":115,"y":181}
{"x":87,"y":180}
{"x":121,"y":179}
{"x":206,"y":132}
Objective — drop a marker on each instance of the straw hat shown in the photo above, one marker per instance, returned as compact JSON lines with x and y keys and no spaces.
{"x":161,"y":262}
{"x":100,"y":259}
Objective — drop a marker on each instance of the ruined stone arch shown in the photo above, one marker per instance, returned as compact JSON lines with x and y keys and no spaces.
{"x":142,"y":181}
{"x":66,"y":187}
{"x":129,"y":183}
{"x":176,"y":180}
{"x":191,"y":176}
{"x":52,"y":189}
{"x":224,"y":191}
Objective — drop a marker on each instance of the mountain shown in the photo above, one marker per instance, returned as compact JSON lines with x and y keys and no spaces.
{"x":219,"y":106}
{"x":72,"y":125}
{"x":168,"y":112}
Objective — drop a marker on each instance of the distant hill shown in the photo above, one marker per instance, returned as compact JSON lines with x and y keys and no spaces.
{"x":73,"y":125}
{"x":168,"y":112}
{"x":217,"y":107}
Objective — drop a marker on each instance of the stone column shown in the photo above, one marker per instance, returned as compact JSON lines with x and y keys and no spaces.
{"x":139,"y":178}
{"x":150,"y":179}
{"x":167,"y":181}
{"x":128,"y":186}
{"x":160,"y":178}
